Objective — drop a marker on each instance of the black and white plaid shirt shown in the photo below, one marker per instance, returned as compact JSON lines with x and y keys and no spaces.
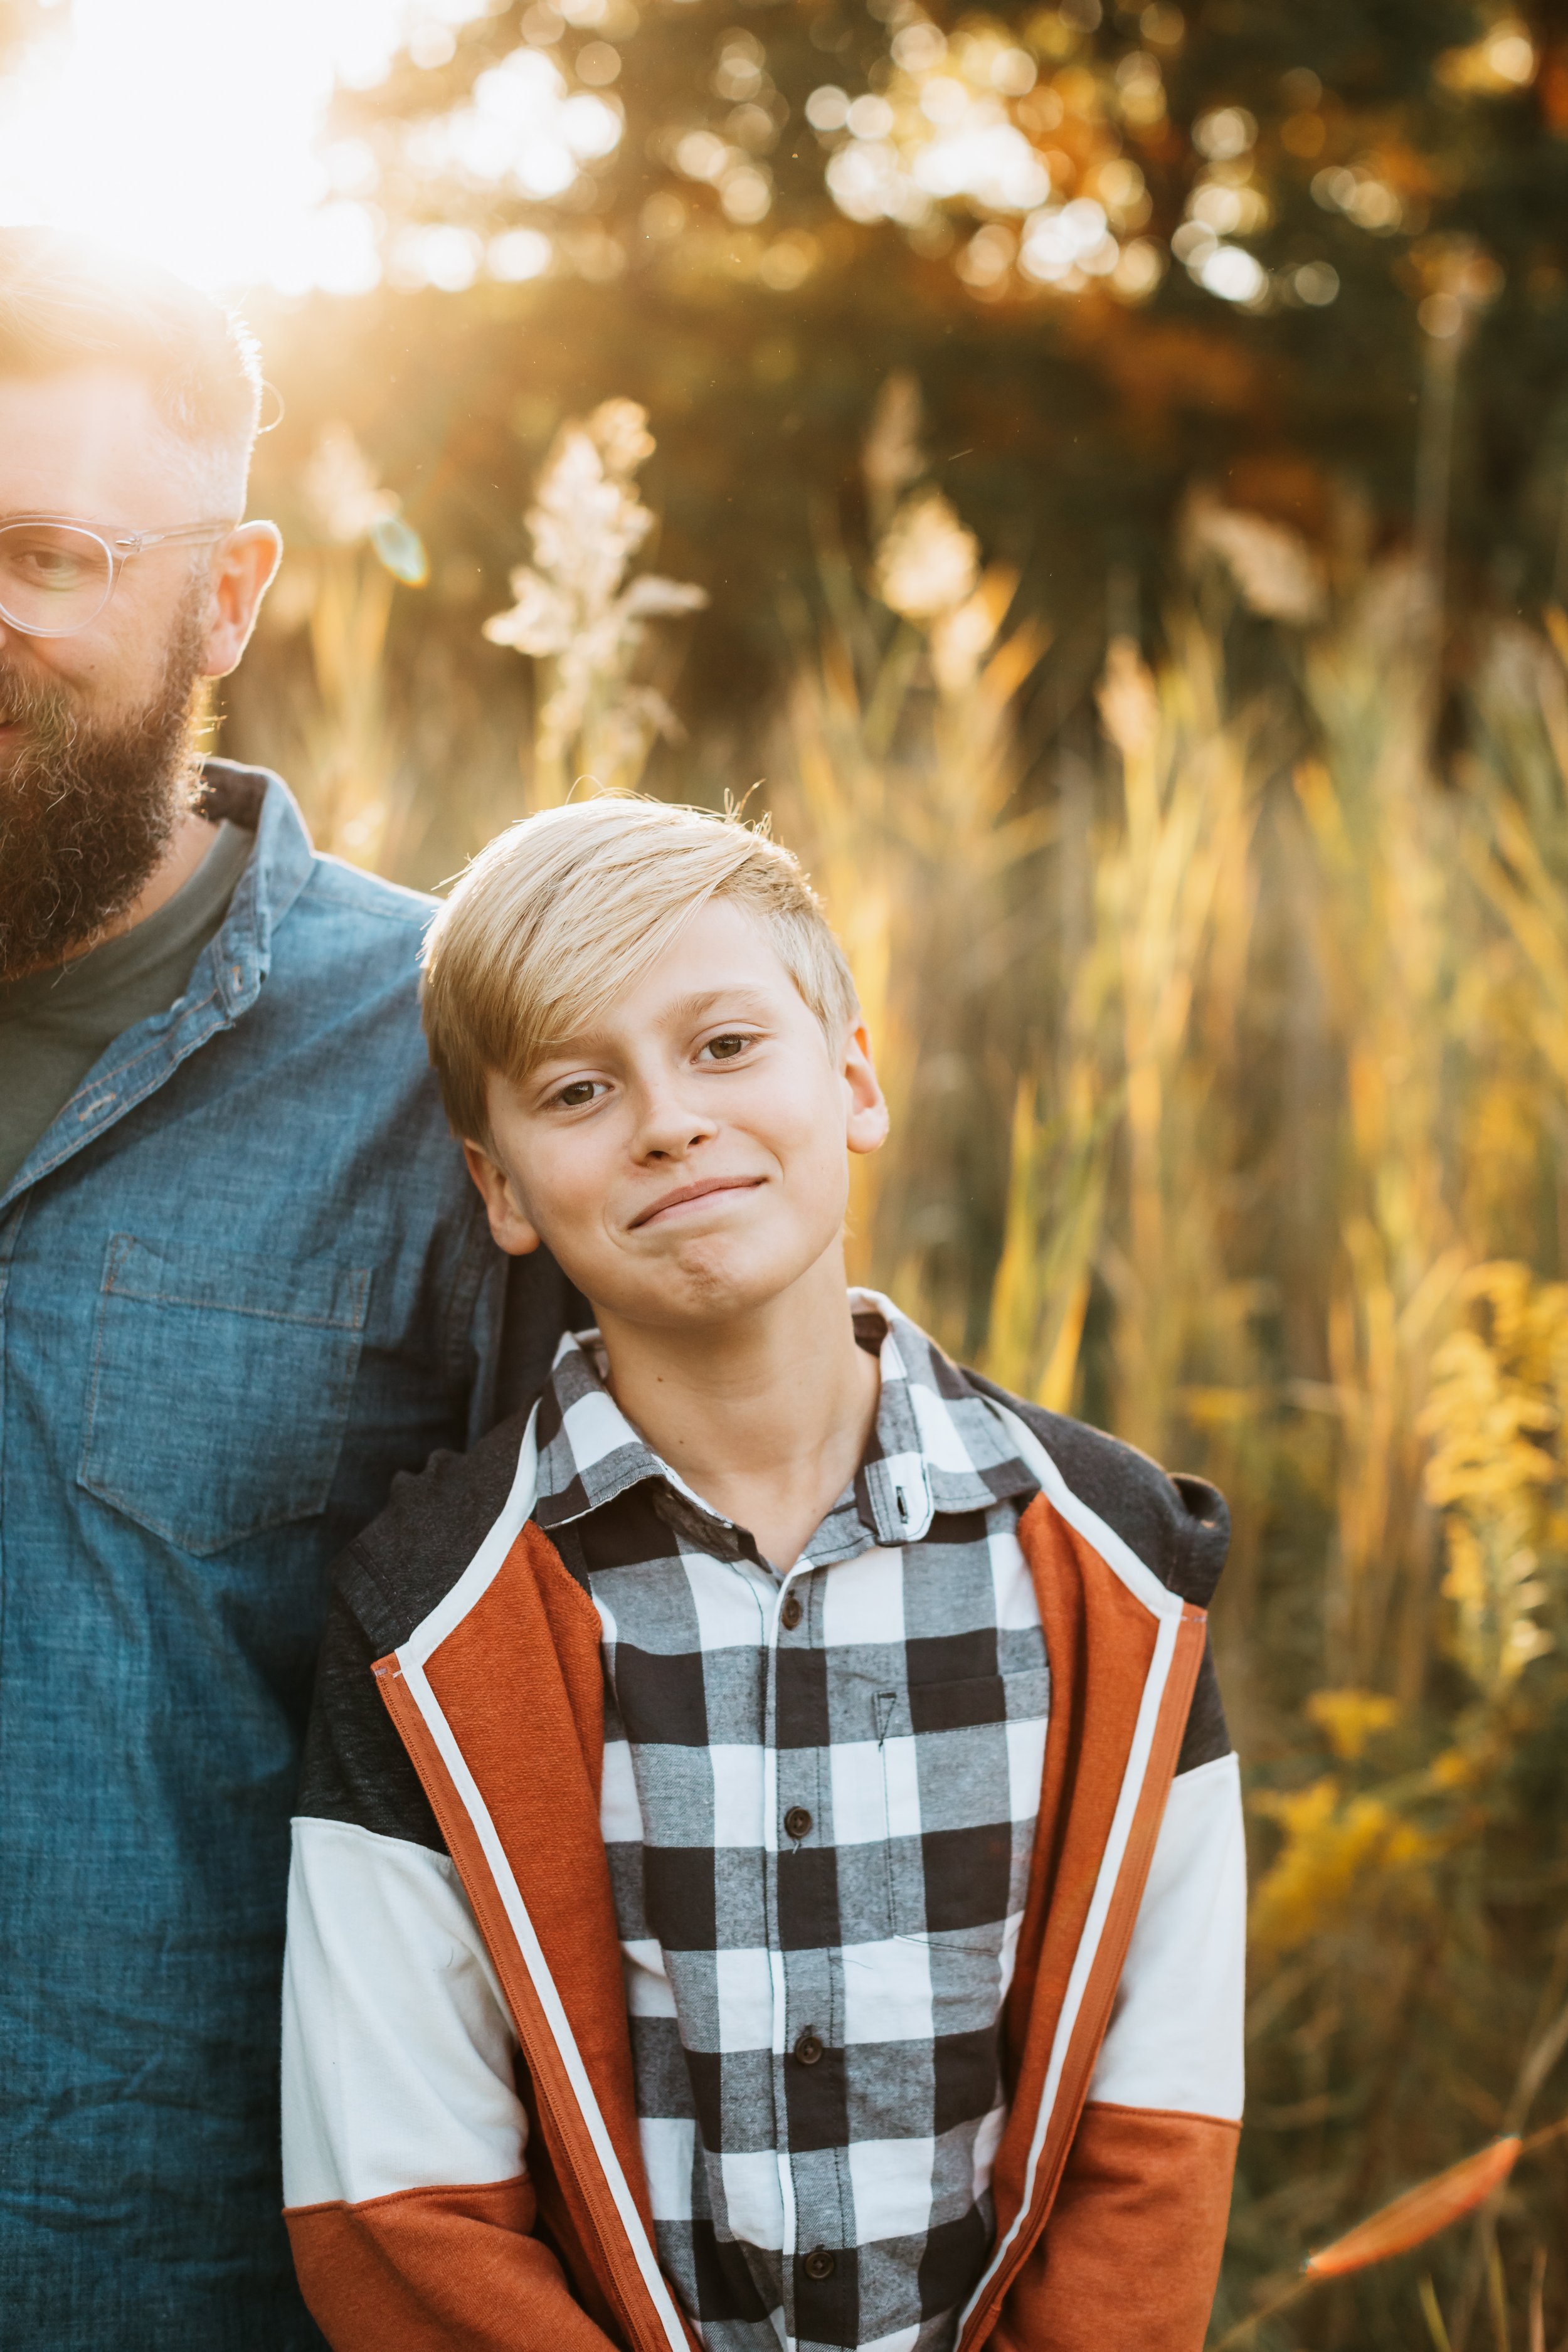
{"x":819,"y":1800}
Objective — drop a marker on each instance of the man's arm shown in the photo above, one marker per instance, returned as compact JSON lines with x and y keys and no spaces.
{"x":408,"y":2202}
{"x":1131,"y":2255}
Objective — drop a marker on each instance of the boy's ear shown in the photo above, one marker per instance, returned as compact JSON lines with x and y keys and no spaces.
{"x":510,"y":1225}
{"x":867,"y":1128}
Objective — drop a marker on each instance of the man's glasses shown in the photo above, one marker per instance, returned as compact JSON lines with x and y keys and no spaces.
{"x":57,"y":575}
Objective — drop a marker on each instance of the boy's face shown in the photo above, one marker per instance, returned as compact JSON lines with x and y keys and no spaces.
{"x":686,"y":1161}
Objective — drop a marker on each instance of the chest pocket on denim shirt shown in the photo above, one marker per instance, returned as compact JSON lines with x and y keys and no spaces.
{"x":219,"y":1387}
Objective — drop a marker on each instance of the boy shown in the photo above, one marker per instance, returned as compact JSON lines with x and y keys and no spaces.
{"x":770,"y":1869}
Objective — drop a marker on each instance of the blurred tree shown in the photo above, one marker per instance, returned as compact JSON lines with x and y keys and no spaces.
{"x":1225,"y":225}
{"x":1270,"y":250}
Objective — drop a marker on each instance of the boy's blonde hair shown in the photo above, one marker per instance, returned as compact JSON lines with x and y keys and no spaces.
{"x":560,"y":913}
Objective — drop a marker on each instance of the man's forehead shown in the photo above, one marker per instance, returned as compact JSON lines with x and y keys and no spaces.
{"x":91,"y":442}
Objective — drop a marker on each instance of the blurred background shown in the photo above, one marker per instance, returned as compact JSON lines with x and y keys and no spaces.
{"x":1096,"y":476}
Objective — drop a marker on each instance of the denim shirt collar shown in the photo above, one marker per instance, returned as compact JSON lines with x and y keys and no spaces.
{"x":225,"y":984}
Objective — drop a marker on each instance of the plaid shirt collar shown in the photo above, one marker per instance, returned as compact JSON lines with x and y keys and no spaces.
{"x":936,"y":1447}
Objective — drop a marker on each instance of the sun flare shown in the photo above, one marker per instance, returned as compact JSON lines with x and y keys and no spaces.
{"x":189,"y":133}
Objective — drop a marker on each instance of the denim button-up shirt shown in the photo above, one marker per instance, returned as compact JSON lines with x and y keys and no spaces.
{"x":244,"y":1280}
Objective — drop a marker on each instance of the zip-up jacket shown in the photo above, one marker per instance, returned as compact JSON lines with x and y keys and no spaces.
{"x":462,"y":2164}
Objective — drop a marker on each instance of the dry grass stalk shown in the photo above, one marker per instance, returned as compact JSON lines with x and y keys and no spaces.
{"x":1432,"y":2311}
{"x":1408,"y":2221}
{"x":349,"y":747}
{"x":1058,"y":1168}
{"x":1103,"y":1180}
{"x":1386,"y":935}
{"x":1538,"y":2302}
{"x":1422,"y":2211}
{"x":339,"y":587}
{"x":1176,"y":900}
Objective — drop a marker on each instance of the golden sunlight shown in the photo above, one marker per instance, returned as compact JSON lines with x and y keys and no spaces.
{"x":190,"y":132}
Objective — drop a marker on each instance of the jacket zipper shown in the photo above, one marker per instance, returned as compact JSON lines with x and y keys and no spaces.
{"x":595,"y":2193}
{"x":1029,"y":2238}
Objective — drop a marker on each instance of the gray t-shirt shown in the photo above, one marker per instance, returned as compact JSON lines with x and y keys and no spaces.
{"x":55,"y":1024}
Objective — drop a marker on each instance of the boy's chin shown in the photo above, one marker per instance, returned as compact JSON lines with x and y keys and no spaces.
{"x":708,"y":1283}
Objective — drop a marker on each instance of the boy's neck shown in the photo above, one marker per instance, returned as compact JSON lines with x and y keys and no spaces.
{"x":767,"y":1416}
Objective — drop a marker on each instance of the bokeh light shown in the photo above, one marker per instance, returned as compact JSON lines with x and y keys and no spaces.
{"x":188,"y":131}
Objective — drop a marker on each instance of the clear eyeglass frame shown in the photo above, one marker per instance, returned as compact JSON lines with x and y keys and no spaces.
{"x":116,"y":547}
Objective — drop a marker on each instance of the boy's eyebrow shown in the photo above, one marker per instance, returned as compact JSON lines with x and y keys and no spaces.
{"x":692,"y":1007}
{"x":684,"y":1009}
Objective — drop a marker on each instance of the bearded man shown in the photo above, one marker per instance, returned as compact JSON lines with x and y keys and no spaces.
{"x":243,"y":1282}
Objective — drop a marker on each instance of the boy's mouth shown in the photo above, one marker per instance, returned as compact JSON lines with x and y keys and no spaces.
{"x":685,"y":1193}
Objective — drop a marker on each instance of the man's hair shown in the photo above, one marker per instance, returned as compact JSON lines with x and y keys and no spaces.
{"x":67,"y":303}
{"x":565,"y":909}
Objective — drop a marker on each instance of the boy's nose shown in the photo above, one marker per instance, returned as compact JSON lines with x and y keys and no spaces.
{"x":670,"y":1128}
{"x":671,"y":1150}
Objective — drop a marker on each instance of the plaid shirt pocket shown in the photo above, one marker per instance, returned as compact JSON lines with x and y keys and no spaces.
{"x":951,"y":1875}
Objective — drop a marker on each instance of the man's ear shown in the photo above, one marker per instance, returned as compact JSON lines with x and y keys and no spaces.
{"x":509,"y":1224}
{"x":866,"y":1127}
{"x":245,"y":568}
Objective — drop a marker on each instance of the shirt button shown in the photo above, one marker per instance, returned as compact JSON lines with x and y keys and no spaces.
{"x":808,"y":2048}
{"x":818,"y":2264}
{"x":792,"y":1613}
{"x":798,"y":1821}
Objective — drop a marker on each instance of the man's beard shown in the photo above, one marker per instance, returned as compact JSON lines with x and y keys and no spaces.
{"x":87,"y":807}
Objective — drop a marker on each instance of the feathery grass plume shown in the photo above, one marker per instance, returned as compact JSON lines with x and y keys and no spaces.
{"x":1386,"y":926}
{"x":892,"y":454}
{"x":900,"y":783}
{"x":577,"y":614}
{"x":928,"y":563}
{"x":1275,"y":570}
{"x":1103,"y":1183}
{"x":1174,"y":900}
{"x":1411,"y":2219}
{"x":354,"y":509}
{"x":1520,"y":855}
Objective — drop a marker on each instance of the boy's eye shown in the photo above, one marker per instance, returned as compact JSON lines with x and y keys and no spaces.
{"x":580,"y":1091}
{"x":724,"y":1049}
